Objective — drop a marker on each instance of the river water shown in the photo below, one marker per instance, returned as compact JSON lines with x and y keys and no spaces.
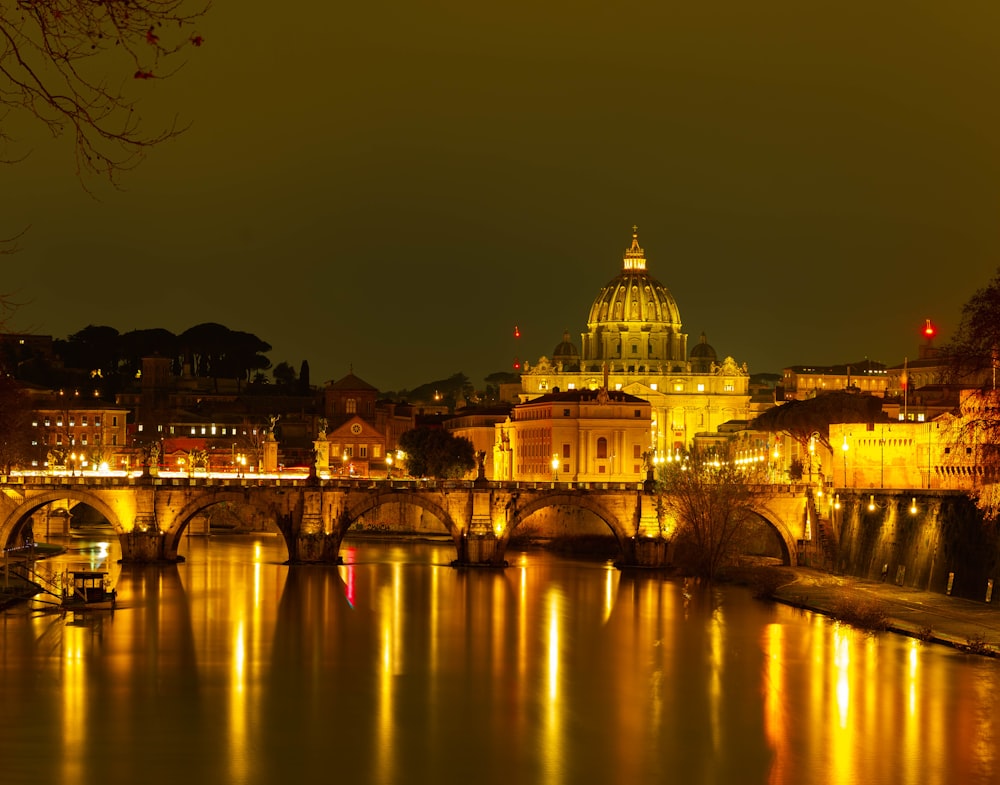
{"x":397,"y":668}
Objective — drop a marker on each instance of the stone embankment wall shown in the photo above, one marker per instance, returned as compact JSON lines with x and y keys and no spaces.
{"x":935,"y":541}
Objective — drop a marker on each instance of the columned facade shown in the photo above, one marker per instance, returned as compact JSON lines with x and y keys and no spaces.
{"x":635,"y":344}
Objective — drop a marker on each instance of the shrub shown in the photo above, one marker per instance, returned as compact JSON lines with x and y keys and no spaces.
{"x":867,"y":613}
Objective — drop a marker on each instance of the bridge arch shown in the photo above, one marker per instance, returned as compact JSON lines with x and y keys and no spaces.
{"x":786,"y":540}
{"x":181,"y":519}
{"x":17,"y":514}
{"x":559,"y":498}
{"x":363,"y":504}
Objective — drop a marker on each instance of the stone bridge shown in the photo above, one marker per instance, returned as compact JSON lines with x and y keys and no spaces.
{"x":150,"y":514}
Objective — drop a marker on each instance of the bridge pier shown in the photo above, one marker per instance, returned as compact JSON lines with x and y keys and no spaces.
{"x":143,"y":547}
{"x":317,"y":548}
{"x":649,"y":552}
{"x":480,"y":549}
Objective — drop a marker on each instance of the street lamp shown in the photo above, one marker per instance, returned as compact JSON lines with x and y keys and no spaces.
{"x":388,"y":466}
{"x":555,"y":467}
{"x":812,"y":453}
{"x":844,"y":448}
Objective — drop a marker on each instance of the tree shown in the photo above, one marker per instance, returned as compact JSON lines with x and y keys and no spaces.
{"x":971,"y":359}
{"x":304,"y":385}
{"x":711,"y":499}
{"x":68,"y":63}
{"x":802,"y":419}
{"x":15,"y":425}
{"x":284,"y":374}
{"x":433,"y":452}
{"x":973,"y":353}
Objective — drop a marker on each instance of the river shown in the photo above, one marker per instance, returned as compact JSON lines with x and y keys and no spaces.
{"x":397,"y":668}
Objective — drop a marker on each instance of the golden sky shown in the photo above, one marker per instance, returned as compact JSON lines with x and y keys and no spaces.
{"x":395,"y":185}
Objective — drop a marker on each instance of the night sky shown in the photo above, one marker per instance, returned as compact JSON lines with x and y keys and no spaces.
{"x":394,"y":186}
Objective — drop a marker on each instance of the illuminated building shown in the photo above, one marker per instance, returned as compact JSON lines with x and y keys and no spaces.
{"x":575,"y":436}
{"x":635,"y":344}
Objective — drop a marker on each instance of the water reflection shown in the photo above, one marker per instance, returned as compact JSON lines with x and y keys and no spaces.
{"x":394,"y":667}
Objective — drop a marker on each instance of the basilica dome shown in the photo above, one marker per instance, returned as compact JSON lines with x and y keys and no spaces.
{"x":635,"y":296}
{"x":635,"y":320}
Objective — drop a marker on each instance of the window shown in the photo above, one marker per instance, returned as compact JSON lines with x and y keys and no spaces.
{"x":83,"y":438}
{"x":72,"y":419}
{"x":636,"y":451}
{"x":363,"y":451}
{"x":635,"y":349}
{"x":654,"y":387}
{"x":565,"y":451}
{"x":701,"y":387}
{"x":58,"y":438}
{"x":602,"y":448}
{"x":97,"y":421}
{"x":83,"y":420}
{"x":638,"y":412}
{"x":565,"y":412}
{"x":352,"y":406}
{"x":114,"y":422}
{"x":678,"y":387}
{"x":728,"y":387}
{"x":601,"y":469}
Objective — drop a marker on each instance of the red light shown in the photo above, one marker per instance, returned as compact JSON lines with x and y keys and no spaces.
{"x":517,"y":364}
{"x":929,"y":329}
{"x":517,"y":332}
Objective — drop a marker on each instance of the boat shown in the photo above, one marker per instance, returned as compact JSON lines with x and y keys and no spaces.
{"x":89,"y":590}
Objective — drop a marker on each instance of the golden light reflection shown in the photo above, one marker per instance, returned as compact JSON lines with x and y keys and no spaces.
{"x":775,"y":717}
{"x":522,"y":625}
{"x":552,"y":731}
{"x":716,"y":661}
{"x":842,"y":732}
{"x":238,"y":714}
{"x":389,"y":611}
{"x":74,"y":694}
{"x":610,"y":584}
{"x":842,"y":662}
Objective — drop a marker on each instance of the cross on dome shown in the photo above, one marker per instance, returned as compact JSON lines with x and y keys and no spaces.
{"x":635,"y":257}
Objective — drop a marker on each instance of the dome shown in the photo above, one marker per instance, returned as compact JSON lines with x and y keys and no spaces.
{"x":634,"y":320}
{"x":703,"y":356}
{"x":566,"y":352}
{"x":635,"y":296}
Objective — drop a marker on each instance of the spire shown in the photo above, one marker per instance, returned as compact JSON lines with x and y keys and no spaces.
{"x":635,"y":258}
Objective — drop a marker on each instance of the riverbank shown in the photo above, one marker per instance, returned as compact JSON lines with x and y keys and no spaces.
{"x":966,"y":625}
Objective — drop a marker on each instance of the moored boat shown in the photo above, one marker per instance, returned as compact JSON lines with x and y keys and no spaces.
{"x":89,"y":590}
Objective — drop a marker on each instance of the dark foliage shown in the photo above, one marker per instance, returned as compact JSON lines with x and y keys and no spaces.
{"x":802,"y":419}
{"x":433,"y":452}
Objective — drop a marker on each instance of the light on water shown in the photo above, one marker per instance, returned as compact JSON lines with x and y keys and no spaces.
{"x":394,"y":667}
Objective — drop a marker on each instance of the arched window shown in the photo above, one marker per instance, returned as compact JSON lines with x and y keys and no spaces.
{"x":602,"y":447}
{"x":352,"y":406}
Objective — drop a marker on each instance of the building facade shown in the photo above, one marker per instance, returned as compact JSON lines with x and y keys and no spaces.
{"x":575,"y":436}
{"x":635,"y":344}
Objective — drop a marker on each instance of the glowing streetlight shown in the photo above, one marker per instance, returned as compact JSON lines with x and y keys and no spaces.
{"x":555,"y":467}
{"x":844,"y":448}
{"x":388,"y":466}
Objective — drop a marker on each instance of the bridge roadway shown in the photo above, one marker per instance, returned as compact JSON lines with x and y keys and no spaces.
{"x":149,"y":514}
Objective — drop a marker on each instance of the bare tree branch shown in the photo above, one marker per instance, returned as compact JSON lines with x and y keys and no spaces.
{"x":67,"y":63}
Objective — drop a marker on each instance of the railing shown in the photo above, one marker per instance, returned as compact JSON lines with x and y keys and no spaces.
{"x":271,"y":481}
